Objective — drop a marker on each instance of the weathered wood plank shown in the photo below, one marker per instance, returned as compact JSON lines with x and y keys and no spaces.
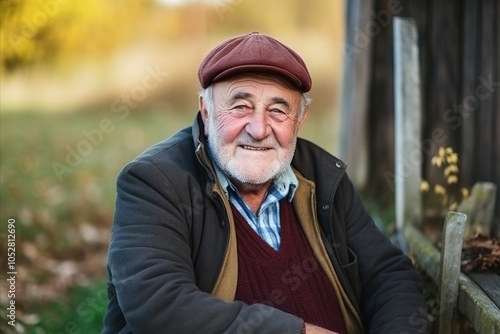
{"x":465,"y":121}
{"x":424,"y":252}
{"x":479,"y":208}
{"x":472,"y":302}
{"x":407,"y":111}
{"x":490,"y":283}
{"x":443,"y":69}
{"x":485,"y":96}
{"x":453,"y":236}
{"x":495,"y":142}
{"x":356,"y":80}
{"x":481,"y":312}
{"x":381,"y":110}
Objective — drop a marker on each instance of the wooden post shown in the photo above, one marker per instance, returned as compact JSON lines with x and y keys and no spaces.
{"x":480,"y":208}
{"x":407,"y":109}
{"x":355,"y":90}
{"x":451,"y":254}
{"x":473,"y":303}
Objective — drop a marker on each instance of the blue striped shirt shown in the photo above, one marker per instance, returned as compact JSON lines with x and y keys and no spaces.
{"x":266,"y":223}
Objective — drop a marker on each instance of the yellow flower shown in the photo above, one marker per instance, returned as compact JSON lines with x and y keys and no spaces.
{"x":424,"y":186}
{"x":437,"y":161}
{"x":447,"y":158}
{"x":452,"y":158}
{"x":442,"y":152}
{"x":439,"y":190}
{"x":451,"y":169}
{"x":452,"y":179}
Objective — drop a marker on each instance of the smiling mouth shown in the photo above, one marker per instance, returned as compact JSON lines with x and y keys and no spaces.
{"x":253,"y":148}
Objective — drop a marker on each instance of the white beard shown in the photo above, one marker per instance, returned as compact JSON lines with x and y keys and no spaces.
{"x":241,"y":171}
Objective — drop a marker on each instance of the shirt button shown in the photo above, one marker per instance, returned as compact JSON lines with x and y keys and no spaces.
{"x":325,"y":207}
{"x":338,"y":164}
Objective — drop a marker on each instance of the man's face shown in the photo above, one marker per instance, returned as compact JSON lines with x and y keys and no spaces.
{"x":252,"y":131}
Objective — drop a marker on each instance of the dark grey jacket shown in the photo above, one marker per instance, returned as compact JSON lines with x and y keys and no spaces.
{"x":172,"y":262}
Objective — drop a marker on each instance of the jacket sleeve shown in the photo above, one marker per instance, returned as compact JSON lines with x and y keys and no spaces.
{"x":391,"y":298}
{"x":152,"y":280}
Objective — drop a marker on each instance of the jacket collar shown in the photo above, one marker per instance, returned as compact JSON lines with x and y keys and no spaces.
{"x":200,"y":144}
{"x":198,"y":131}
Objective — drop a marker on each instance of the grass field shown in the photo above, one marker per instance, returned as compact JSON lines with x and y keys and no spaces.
{"x":57,"y":181}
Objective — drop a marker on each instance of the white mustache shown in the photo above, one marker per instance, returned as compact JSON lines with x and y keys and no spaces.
{"x":246,"y":140}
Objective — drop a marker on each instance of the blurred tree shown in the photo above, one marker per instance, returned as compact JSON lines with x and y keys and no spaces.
{"x":272,"y":17}
{"x":53,"y":31}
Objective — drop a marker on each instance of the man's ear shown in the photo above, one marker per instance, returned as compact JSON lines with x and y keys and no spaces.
{"x":303,"y":117}
{"x":204,"y":113}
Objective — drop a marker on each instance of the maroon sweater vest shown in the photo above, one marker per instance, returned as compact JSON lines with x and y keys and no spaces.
{"x":289,"y":279}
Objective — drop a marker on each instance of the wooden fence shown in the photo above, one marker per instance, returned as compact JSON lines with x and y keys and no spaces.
{"x":459,"y":48}
{"x":432,"y":91}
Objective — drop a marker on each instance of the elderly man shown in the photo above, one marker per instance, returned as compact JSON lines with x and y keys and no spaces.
{"x":234,"y":225}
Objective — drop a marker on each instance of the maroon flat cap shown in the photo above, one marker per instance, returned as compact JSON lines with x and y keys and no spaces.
{"x":254,"y":52}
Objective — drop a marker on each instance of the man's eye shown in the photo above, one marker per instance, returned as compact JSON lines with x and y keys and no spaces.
{"x":278,"y":114}
{"x":241,"y":110}
{"x":277,"y":111}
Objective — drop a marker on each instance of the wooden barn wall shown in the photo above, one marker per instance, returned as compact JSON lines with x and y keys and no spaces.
{"x":459,"y":46}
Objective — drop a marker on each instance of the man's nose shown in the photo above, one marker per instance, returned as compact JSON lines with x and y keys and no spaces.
{"x":258,"y":125}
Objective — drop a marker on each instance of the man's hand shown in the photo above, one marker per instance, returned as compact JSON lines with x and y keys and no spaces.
{"x":312,"y":329}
